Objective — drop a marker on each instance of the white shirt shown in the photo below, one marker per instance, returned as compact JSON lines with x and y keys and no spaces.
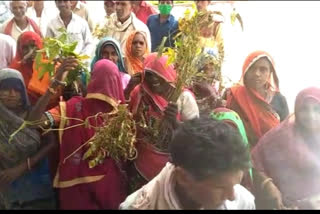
{"x":187,"y":106}
{"x":78,"y":30}
{"x":47,"y":15}
{"x":121,"y":31}
{"x":81,"y":10}
{"x":8,"y":49}
{"x":16,"y":31}
{"x":159,"y":194}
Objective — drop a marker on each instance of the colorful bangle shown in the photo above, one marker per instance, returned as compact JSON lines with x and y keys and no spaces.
{"x":60,"y":82}
{"x":52,"y":91}
{"x":29,"y":164}
{"x":50,"y":118}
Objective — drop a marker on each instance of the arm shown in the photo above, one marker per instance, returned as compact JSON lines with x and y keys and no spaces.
{"x":37,"y":111}
{"x":187,"y":106}
{"x":9,"y":175}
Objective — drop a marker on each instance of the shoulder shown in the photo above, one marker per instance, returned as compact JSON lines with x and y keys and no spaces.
{"x":152,"y":18}
{"x":244,"y":200}
{"x":78,"y":19}
{"x":138,"y":24}
{"x":7,"y":39}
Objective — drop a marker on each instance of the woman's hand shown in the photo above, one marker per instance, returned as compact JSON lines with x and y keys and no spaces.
{"x":134,"y":81}
{"x":273,"y":196}
{"x":68,"y":64}
{"x":10,"y":175}
{"x":170,"y":114}
{"x":204,"y":90}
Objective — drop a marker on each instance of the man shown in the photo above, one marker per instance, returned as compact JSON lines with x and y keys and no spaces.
{"x":41,"y":15}
{"x":202,"y":6}
{"x":163,"y":25}
{"x":109,"y":7}
{"x":20,"y":22}
{"x":76,"y":27}
{"x":208,"y":159}
{"x":143,"y":10}
{"x":5,"y":12}
{"x":8,"y":49}
{"x":82,"y":10}
{"x":123,"y":22}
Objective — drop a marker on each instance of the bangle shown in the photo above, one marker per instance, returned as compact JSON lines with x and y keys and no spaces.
{"x":50,"y":118}
{"x":60,"y":82}
{"x":52,"y":91}
{"x":29,"y":164}
{"x":265,"y":182}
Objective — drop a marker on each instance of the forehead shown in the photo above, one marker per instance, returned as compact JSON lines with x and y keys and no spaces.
{"x":263,"y":62}
{"x":225,"y":179}
{"x":18,"y":3}
{"x":108,"y":48}
{"x":139,"y":36}
{"x":124,"y":2}
{"x":166,"y":2}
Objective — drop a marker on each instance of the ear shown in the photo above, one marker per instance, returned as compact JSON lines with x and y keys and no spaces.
{"x":183,"y":177}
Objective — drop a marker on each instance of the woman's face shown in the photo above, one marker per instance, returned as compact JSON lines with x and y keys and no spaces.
{"x":308,"y":115}
{"x":208,"y":69}
{"x":139,"y":45}
{"x":29,"y":51}
{"x":156,"y":83}
{"x":10,"y":98}
{"x":110,"y":53}
{"x":258,"y":74}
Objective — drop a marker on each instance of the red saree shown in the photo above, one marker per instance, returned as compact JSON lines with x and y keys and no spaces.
{"x":104,"y":186}
{"x":285,"y":154}
{"x":150,"y":161}
{"x":255,"y":112}
{"x":36,"y":88}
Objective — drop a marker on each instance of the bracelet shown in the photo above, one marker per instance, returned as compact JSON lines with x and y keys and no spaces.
{"x":265,"y":182}
{"x":60,"y":82}
{"x":50,"y":118}
{"x":28,"y":164}
{"x":52,"y":91}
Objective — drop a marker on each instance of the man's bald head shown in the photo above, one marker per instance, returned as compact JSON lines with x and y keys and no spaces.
{"x":18,"y":8}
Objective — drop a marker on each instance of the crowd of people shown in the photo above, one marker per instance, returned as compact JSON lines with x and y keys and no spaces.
{"x":237,"y":148}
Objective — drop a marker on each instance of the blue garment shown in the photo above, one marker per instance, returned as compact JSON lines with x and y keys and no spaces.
{"x":168,"y":29}
{"x":34,"y":185}
{"x":104,"y":42}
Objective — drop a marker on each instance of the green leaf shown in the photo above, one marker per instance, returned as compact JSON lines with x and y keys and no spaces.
{"x":70,"y":47}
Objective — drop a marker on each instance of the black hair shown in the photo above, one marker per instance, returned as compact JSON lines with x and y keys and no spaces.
{"x":206,"y":148}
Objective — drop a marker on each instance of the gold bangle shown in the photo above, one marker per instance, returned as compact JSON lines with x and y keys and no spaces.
{"x":265,"y":182}
{"x":29,"y":164}
{"x":52,"y":91}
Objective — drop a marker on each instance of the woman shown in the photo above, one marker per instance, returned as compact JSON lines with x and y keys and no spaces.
{"x":257,"y":99}
{"x":233,"y":119}
{"x":135,"y":52}
{"x":205,"y":87}
{"x":24,"y":176}
{"x":27,"y":45}
{"x":104,"y":186}
{"x":287,"y":158}
{"x":149,"y":105}
{"x":109,"y":48}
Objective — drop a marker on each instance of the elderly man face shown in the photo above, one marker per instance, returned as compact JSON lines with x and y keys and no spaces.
{"x":18,"y":8}
{"x":123,"y":10}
